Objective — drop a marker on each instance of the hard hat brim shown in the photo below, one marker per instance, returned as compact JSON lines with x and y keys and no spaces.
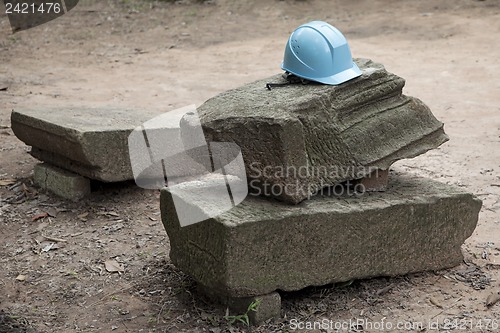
{"x":341,"y":77}
{"x":335,"y":79}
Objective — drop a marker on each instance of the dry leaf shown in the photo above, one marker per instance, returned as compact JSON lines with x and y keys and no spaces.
{"x":52,"y":212}
{"x":83,"y":216}
{"x":113,"y":266}
{"x":39,"y":216}
{"x":49,"y":246}
{"x":21,"y":278}
{"x":435,"y":302}
{"x":492,"y":299}
{"x":111,"y":213}
{"x":7,"y":182}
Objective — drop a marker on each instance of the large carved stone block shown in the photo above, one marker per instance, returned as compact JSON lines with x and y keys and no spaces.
{"x":262,"y":245}
{"x":297,"y":139}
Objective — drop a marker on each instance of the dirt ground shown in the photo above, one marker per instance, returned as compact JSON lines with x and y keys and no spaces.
{"x":165,"y":55}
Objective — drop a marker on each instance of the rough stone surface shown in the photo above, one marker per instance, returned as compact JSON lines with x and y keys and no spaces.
{"x":336,"y":133}
{"x":61,"y":182}
{"x":89,"y":142}
{"x":269,"y":305}
{"x":263,"y":245}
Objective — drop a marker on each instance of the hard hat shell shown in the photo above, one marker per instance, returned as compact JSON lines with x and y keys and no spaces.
{"x":317,"y":51}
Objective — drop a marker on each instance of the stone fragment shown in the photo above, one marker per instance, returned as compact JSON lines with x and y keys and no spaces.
{"x":269,"y":306}
{"x":299,"y":138}
{"x":376,"y":181}
{"x":88,"y":141}
{"x":262,"y":245}
{"x":61,"y":182}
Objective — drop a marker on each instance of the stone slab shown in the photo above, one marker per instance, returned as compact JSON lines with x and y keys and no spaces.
{"x":304,"y":137}
{"x":92,"y":142}
{"x":263,"y":245}
{"x":61,"y":182}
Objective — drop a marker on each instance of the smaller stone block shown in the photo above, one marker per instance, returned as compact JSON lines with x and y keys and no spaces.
{"x":61,"y":182}
{"x":269,"y":305}
{"x":88,"y":141}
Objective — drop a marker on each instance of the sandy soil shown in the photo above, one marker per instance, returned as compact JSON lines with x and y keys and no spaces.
{"x":165,"y":55}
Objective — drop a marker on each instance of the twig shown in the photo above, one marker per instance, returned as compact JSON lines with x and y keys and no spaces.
{"x":110,"y":294}
{"x":447,"y":308}
{"x":53,"y":239}
{"x":384,"y":290}
{"x":161,"y":311}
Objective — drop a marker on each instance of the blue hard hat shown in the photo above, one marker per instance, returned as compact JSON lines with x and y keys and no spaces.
{"x":319,"y":52}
